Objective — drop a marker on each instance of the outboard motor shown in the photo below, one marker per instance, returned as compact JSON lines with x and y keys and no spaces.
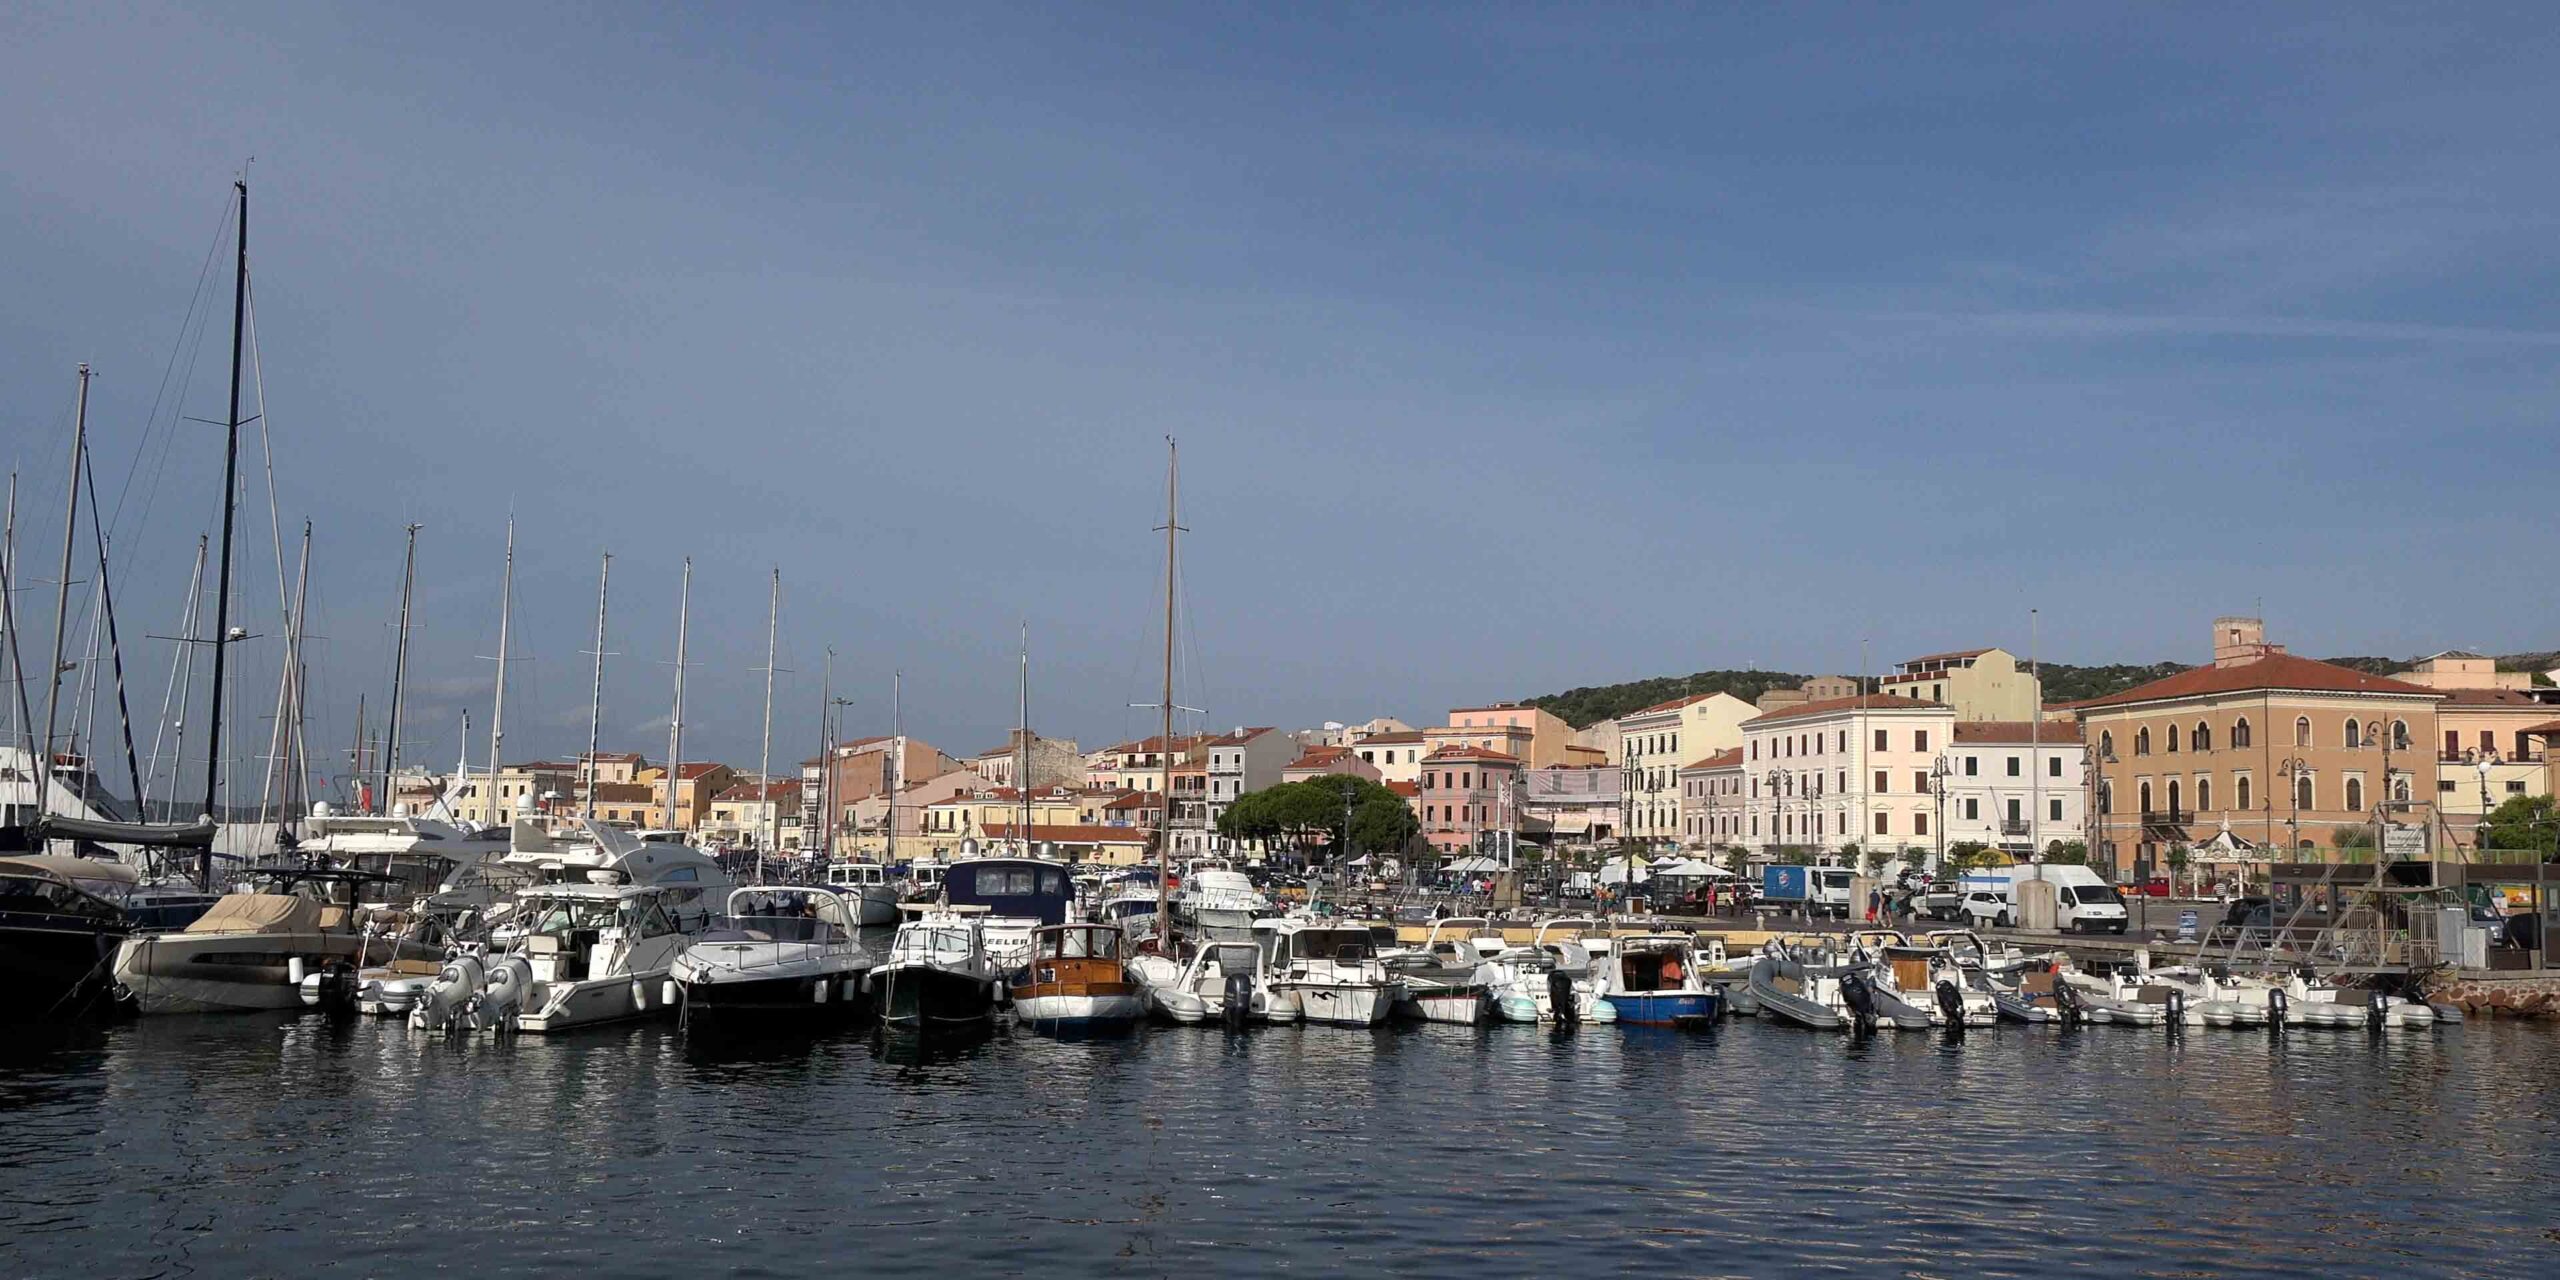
{"x":2177,"y":1011}
{"x":2279,"y":1008}
{"x":1563,"y":998}
{"x":440,"y":1006}
{"x":2066,"y":1002}
{"x":1239,"y":1000}
{"x":1951,"y":1006}
{"x":2377,"y":1010}
{"x":332,"y":990}
{"x":1861,"y":999}
{"x":497,"y":1005}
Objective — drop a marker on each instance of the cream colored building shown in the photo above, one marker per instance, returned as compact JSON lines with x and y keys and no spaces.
{"x":2489,"y":750}
{"x":1140,"y":765}
{"x":1711,"y":806}
{"x":1549,"y":739}
{"x":970,"y":817}
{"x":747,"y":815}
{"x":2460,"y":669}
{"x":1855,"y":770}
{"x":536,"y":787}
{"x":1979,"y":684}
{"x":1656,"y":741}
{"x":1396,"y":754}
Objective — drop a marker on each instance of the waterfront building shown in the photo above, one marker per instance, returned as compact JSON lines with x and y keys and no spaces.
{"x":1573,"y":804}
{"x":746,"y":811}
{"x":1548,"y":740}
{"x":1657,"y":740}
{"x":1711,"y":810}
{"x":1395,"y":753}
{"x":1107,"y":846}
{"x":1464,"y":792}
{"x":1817,"y":689}
{"x":1141,"y":765}
{"x":2282,"y":751}
{"x":948,"y":823}
{"x":2016,"y":786}
{"x":540,"y":786}
{"x":2490,"y":751}
{"x":1821,"y":776}
{"x":1979,"y":684}
{"x":863,"y":826}
{"x":1601,"y":736}
{"x":2461,"y":669}
{"x":1319,"y":762}
{"x":1055,"y":762}
{"x":695,"y":782}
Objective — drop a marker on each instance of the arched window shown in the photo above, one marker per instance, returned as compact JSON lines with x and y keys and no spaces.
{"x":2142,"y":741}
{"x":2355,"y":795}
{"x":2202,"y":740}
{"x":2399,"y":735}
{"x":2106,"y":797}
{"x":2146,"y":797}
{"x":2244,"y":787}
{"x":2204,"y":795}
{"x":2173,"y":739}
{"x":2240,"y":740}
{"x":2302,"y":793}
{"x":2399,"y":791}
{"x":2355,"y":736}
{"x":2173,"y":799}
{"x":2106,"y":744}
{"x":2302,"y":731}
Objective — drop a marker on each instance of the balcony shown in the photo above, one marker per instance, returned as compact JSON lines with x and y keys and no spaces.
{"x":2167,"y":817}
{"x":2013,"y":826}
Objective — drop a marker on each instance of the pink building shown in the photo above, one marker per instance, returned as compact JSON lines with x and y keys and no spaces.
{"x":1465,"y":791}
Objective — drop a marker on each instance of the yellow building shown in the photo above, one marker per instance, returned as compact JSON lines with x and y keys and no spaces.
{"x":1656,"y":742}
{"x":2490,"y":751}
{"x":972,"y":816}
{"x":1980,"y":684}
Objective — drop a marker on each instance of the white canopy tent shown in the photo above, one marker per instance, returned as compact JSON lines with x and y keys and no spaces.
{"x":1616,"y":873}
{"x":1692,"y":869}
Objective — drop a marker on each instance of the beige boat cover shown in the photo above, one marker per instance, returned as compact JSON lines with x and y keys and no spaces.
{"x":71,"y":868}
{"x":259,"y":913}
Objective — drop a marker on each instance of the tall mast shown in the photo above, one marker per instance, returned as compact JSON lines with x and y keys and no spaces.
{"x":1022,"y":747}
{"x":24,"y":723}
{"x":764,"y":758}
{"x":897,"y":767}
{"x":43,"y":761}
{"x":595,"y":699}
{"x":276,"y":790}
{"x":115,"y":645}
{"x":1164,"y":825}
{"x":2035,"y":740}
{"x":230,"y":509}
{"x":498,"y":711}
{"x":399,"y":673}
{"x":294,"y":782}
{"x":827,"y":758}
{"x":675,"y":723}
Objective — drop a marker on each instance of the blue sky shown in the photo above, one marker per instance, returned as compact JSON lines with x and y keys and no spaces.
{"x":1510,"y":348}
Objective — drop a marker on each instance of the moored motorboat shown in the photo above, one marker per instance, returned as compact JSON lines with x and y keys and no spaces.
{"x":1076,"y":981}
{"x":1653,"y":982}
{"x":1447,"y":978}
{"x":937,"y":976}
{"x":780,"y":956}
{"x":254,"y":948}
{"x":59,"y":932}
{"x":1225,"y":982}
{"x":874,"y":890}
{"x":1328,"y":973}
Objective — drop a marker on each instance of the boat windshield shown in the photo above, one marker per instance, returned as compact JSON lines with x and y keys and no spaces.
{"x":1331,"y":944}
{"x":792,"y":928}
{"x":938,"y":943}
{"x":1081,"y":944}
{"x":570,"y":915}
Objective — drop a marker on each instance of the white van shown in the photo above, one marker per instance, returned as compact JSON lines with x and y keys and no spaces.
{"x":2082,"y":900}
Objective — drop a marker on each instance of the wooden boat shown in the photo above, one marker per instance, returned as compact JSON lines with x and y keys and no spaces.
{"x":1077,"y":980}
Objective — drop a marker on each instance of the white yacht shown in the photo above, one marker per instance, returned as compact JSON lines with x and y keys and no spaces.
{"x":1328,"y":972}
{"x":256,"y":946}
{"x":576,"y":955}
{"x":1524,"y":985}
{"x":779,"y":954}
{"x":1218,"y":982}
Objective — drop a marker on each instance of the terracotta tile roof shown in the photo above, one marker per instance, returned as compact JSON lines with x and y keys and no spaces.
{"x":1471,"y":753}
{"x":1673,"y":705}
{"x":2017,"y":732}
{"x":2275,"y":672}
{"x":1154,"y":743}
{"x":1949,"y":656}
{"x":1239,"y":737}
{"x":2547,"y":726}
{"x":1136,"y":800}
{"x":1858,"y":702}
{"x":1319,"y":758}
{"x":546,"y":766}
{"x":1071,"y":833}
{"x":1412,"y":789}
{"x":745,"y":792}
{"x":697,"y":768}
{"x":2489,"y":698}
{"x":1729,"y":758}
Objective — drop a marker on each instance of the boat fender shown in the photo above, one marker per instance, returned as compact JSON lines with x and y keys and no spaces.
{"x":2278,"y":1008}
{"x":640,"y":996}
{"x":293,"y":972}
{"x":669,"y":992}
{"x":1560,"y":995}
{"x":818,"y":993}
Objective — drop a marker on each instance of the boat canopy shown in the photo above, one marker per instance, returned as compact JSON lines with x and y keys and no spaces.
{"x":259,"y":913}
{"x":157,"y":835}
{"x":1025,"y":887}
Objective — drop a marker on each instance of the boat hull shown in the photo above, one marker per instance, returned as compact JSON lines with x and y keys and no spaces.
{"x":1665,"y":1008}
{"x":1071,"y":1011}
{"x":225,"y":973}
{"x":592,"y":1002}
{"x":1459,"y":1006}
{"x":1339,"y":1005}
{"x":926,"y":996}
{"x":55,"y":970}
{"x":821,"y":999}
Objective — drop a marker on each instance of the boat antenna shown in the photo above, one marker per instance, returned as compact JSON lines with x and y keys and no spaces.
{"x":498,"y":707}
{"x":675,"y":723}
{"x":43,"y":763}
{"x":595,"y":698}
{"x":230,"y":512}
{"x":399,"y":673}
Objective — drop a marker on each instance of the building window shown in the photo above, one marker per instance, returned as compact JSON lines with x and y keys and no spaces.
{"x":2400,"y":736}
{"x":1880,"y":740}
{"x":2173,"y":799}
{"x":1919,"y":739}
{"x":1881,"y":785}
{"x":2516,"y":787}
{"x":2013,"y":811}
{"x":2355,"y":737}
{"x":1972,"y":809}
{"x":2240,"y":736}
{"x":2302,"y":731}
{"x":2202,"y":739}
{"x":2204,"y":794}
{"x":1919,"y":824}
{"x":2355,"y":795}
{"x":1844,"y":740}
{"x":2146,"y":796}
{"x":2142,"y":741}
{"x":1884,"y":823}
{"x":2106,"y":797}
{"x":2172,"y":736}
{"x":2013,"y":766}
{"x":1971,"y":765}
{"x":1920,"y":782}
{"x":2242,"y":782}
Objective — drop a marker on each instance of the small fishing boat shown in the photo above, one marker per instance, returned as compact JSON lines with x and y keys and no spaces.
{"x":1562,"y":958}
{"x":1227,"y":982}
{"x":782,"y":955}
{"x":937,"y":976}
{"x":1653,"y":981}
{"x":1447,"y":978}
{"x":1076,"y":981}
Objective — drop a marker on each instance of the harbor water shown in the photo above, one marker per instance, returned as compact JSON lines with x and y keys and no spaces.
{"x":268,"y":1145}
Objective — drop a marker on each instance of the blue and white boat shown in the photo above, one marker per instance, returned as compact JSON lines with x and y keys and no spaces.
{"x":1014,"y":895}
{"x":1655,"y":980}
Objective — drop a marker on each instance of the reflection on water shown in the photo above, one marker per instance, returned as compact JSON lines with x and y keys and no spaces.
{"x":254,"y":1145}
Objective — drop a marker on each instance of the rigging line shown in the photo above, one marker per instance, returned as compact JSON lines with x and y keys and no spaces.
{"x":195,"y":309}
{"x":275,"y":527}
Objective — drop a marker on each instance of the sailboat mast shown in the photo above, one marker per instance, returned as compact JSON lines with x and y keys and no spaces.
{"x":1164,"y":825}
{"x":770,"y":825}
{"x":291,"y":767}
{"x":115,"y":645}
{"x":43,"y":763}
{"x":675,"y":723}
{"x":1022,"y":746}
{"x":498,"y":711}
{"x":399,"y":672}
{"x":595,"y":698}
{"x":897,"y":767}
{"x":827,"y":759}
{"x":26,"y":723}
{"x":275,"y":794}
{"x":230,"y":510}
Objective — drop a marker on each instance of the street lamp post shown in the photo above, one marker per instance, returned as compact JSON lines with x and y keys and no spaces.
{"x":2293,"y":771}
{"x":2484,"y":761}
{"x":1939,"y":770}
